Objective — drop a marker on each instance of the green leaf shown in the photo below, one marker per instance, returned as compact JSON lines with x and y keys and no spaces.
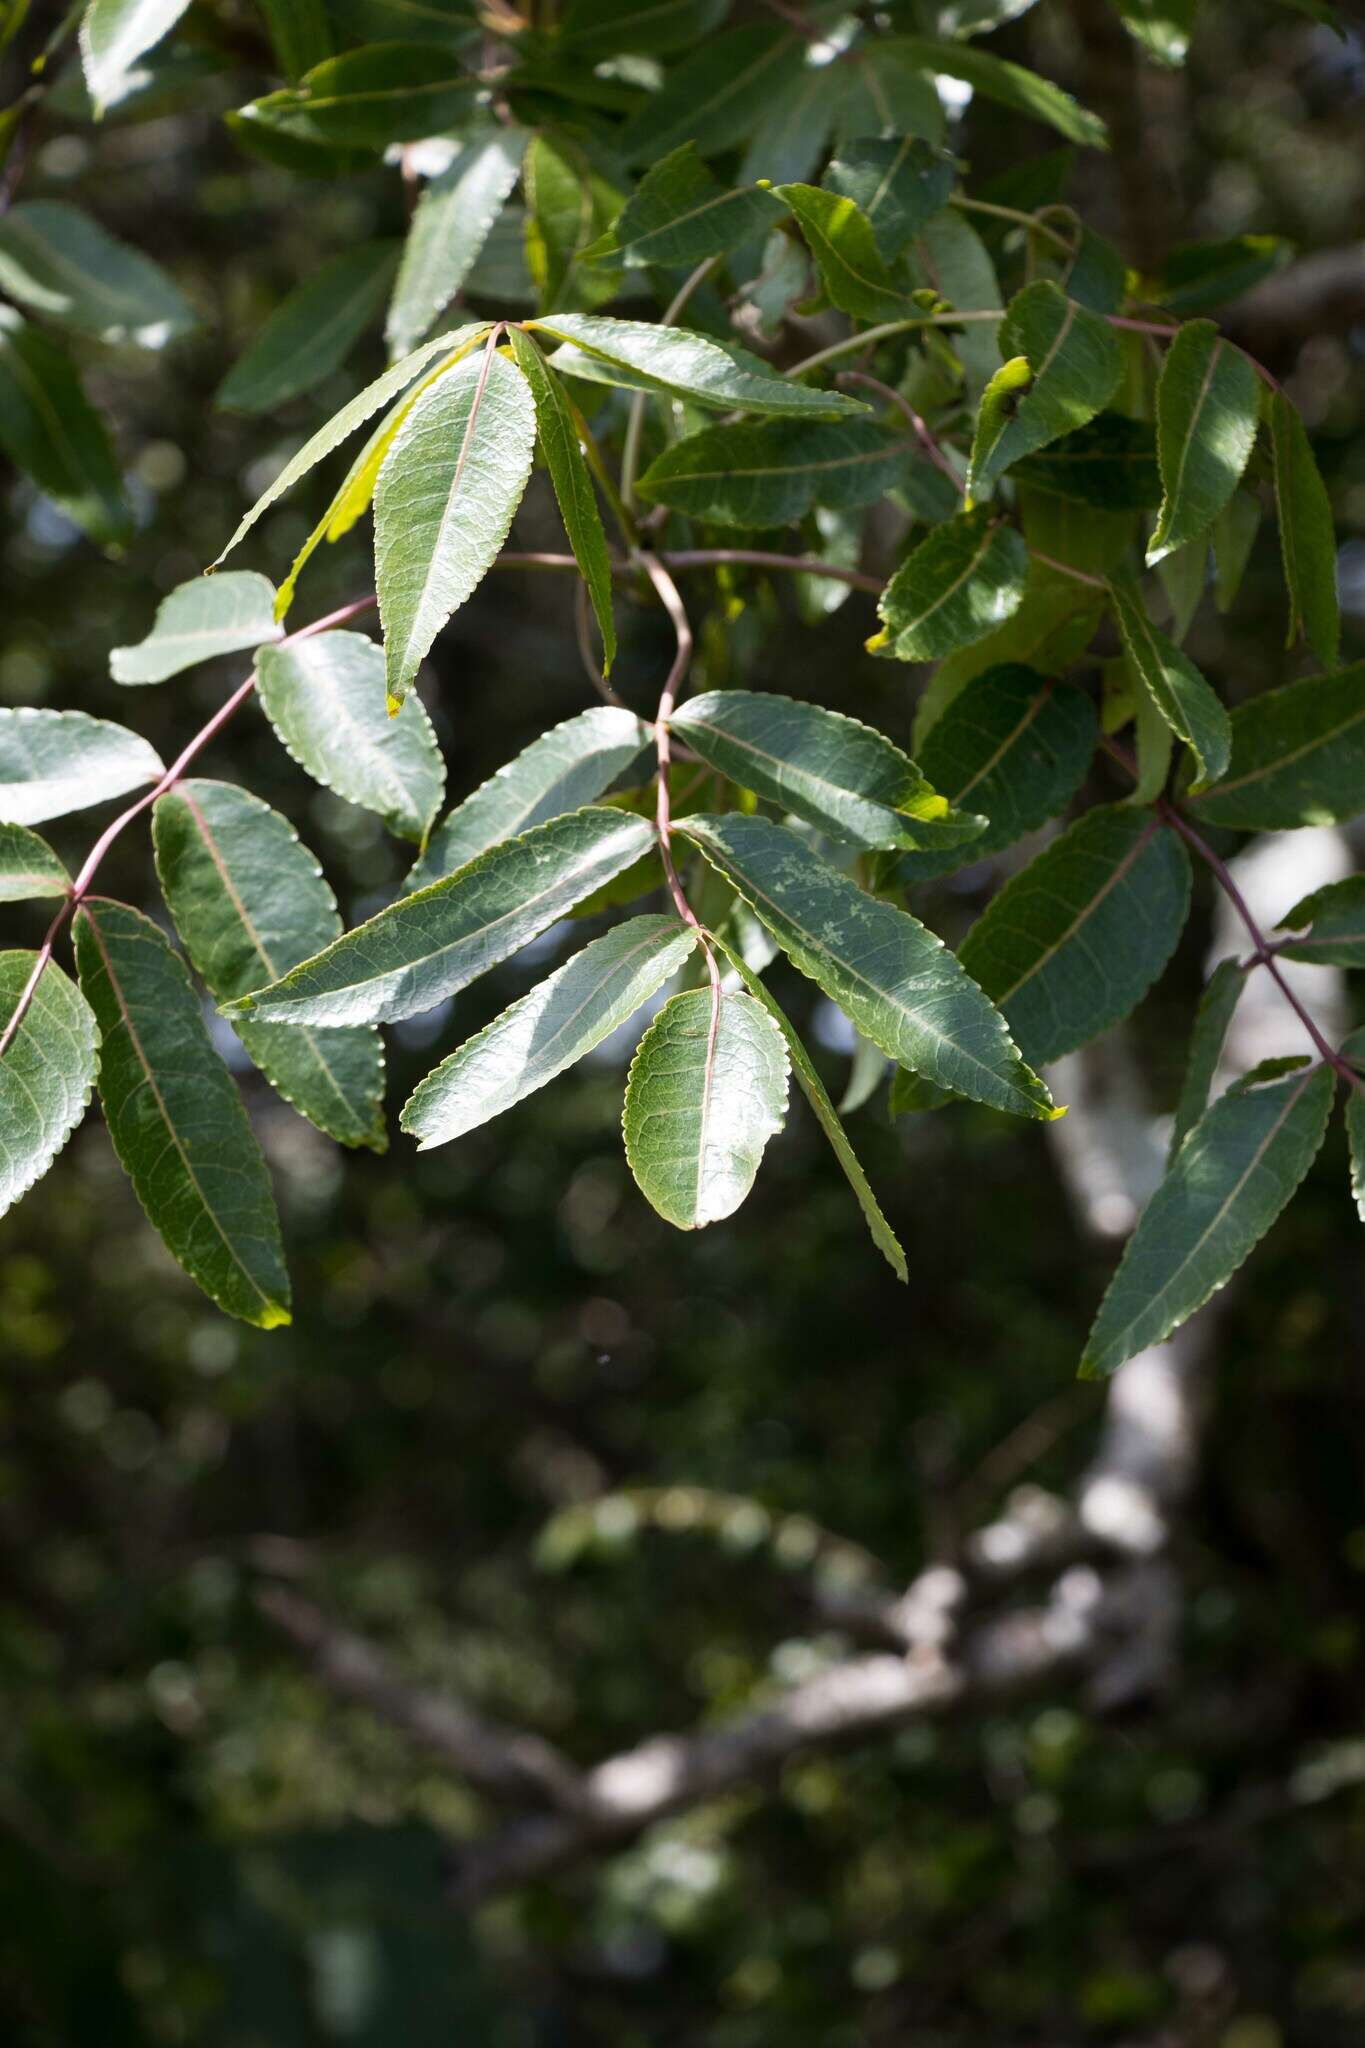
{"x":897,"y":983}
{"x":1332,"y":920}
{"x":959,"y":584}
{"x":898,"y":182}
{"x":446,"y":494}
{"x":887,"y":92}
{"x":571,"y":201}
{"x":682,"y":364}
{"x":436,"y":941}
{"x":250,"y":902}
{"x":557,"y":430}
{"x":1109,"y":463}
{"x":1298,"y":757}
{"x":1184,"y":577}
{"x":114,"y":34}
{"x":382,"y":93}
{"x":1013,"y":745}
{"x":1232,"y":1176}
{"x":420,"y":21}
{"x":772,"y":472}
{"x":593,"y":29}
{"x":58,"y":262}
{"x":310,"y":333}
{"x":46,"y":1072}
{"x":1208,"y":407}
{"x":713,"y":97}
{"x":209,"y":616}
{"x":954,"y":261}
{"x":1073,"y":943}
{"x":1182,"y":696}
{"x":679,"y":214}
{"x":1050,"y":631}
{"x":1216,"y":1005}
{"x":568,"y":766}
{"x":851,"y":268}
{"x":1199,"y":275}
{"x":813,"y":1088}
{"x":362,"y":407}
{"x":569,"y":1013}
{"x":52,"y":762}
{"x":707,"y":1089}
{"x":1009,"y":85}
{"x":790,"y":136}
{"x":1234,"y":536}
{"x":175,"y":1117}
{"x":831,"y":770}
{"x":49,"y":428}
{"x":453,"y":220}
{"x":29,"y":867}
{"x":1075,"y":362}
{"x":325,"y":698}
{"x":300,"y":33}
{"x":1307,"y":540}
{"x":1163,"y":27}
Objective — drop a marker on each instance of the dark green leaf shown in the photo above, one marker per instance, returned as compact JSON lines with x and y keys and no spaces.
{"x":1230,"y":1179}
{"x":1109,"y":463}
{"x":382,"y":93}
{"x":959,"y":584}
{"x":310,"y":334}
{"x":771,"y":473}
{"x":831,"y":770}
{"x":1298,"y":757}
{"x":58,"y":262}
{"x":1216,"y":1005}
{"x":1234,"y":536}
{"x":1307,"y":540}
{"x":209,"y":616}
{"x":175,"y":1117}
{"x":679,"y":214}
{"x":49,"y":429}
{"x":557,"y":429}
{"x":593,"y":29}
{"x":897,"y":182}
{"x":707,"y":1089}
{"x":1182,"y":696}
{"x":569,"y":1013}
{"x":1074,"y":364}
{"x":570,"y":203}
{"x":445,"y":497}
{"x":1051,"y":629}
{"x":52,"y":762}
{"x":1010,"y":85}
{"x":249,"y":903}
{"x":46,"y":1073}
{"x":851,"y":268}
{"x":714,"y":96}
{"x":896,"y":982}
{"x":436,"y":941}
{"x":1208,"y":407}
{"x":1200,"y":275}
{"x":1332,"y":921}
{"x":568,"y":766}
{"x":300,"y":33}
{"x":1074,"y":942}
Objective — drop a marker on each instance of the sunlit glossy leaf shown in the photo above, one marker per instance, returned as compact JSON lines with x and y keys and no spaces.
{"x":959,"y":584}
{"x":209,"y":616}
{"x":28,"y":866}
{"x":851,"y":267}
{"x":1208,"y":407}
{"x":680,"y":214}
{"x":683,"y":364}
{"x":52,"y":762}
{"x":1074,"y":365}
{"x":114,"y":34}
{"x":1298,"y":757}
{"x":46,"y":1072}
{"x":897,"y":182}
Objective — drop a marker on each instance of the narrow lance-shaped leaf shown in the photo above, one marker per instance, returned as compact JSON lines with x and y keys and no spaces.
{"x":249,"y":903}
{"x":1208,"y":407}
{"x":381,"y":93}
{"x":362,"y":407}
{"x":325,"y":698}
{"x":707,"y":1089}
{"x":1014,"y":745}
{"x":563,"y":1018}
{"x":679,"y":214}
{"x":1180,"y":693}
{"x":682,"y":364}
{"x":813,"y":1088}
{"x":312,"y":331}
{"x":1229,"y":1181}
{"x":431,"y":944}
{"x":29,"y":867}
{"x":1073,"y":942}
{"x":566,"y":767}
{"x":114,"y":34}
{"x":1009,"y":84}
{"x":1332,"y":923}
{"x":1298,"y":757}
{"x":1353,"y":1049}
{"x":59,"y":263}
{"x":898,"y":983}
{"x":175,"y":1117}
{"x":1216,"y":1005}
{"x":1075,"y":363}
{"x":1307,"y":539}
{"x":454,"y":217}
{"x":49,"y":429}
{"x":209,"y":616}
{"x":558,"y":434}
{"x":959,"y":584}
{"x":897,"y":181}
{"x":850,"y":264}
{"x":446,"y":494}
{"x":52,"y":762}
{"x":771,"y":472}
{"x":835,"y":772}
{"x":46,"y":1072}
{"x":711,"y":97}
{"x":1234,"y":536}
{"x":593,"y":29}
{"x":570,"y":201}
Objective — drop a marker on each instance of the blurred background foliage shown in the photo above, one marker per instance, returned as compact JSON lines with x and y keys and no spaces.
{"x":494,"y":1345}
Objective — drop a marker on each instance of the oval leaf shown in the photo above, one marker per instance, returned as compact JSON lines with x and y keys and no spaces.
{"x":212,"y":615}
{"x":28,"y":867}
{"x":1075,"y":364}
{"x":1298,"y":757}
{"x":959,"y":584}
{"x":1208,"y":407}
{"x":52,"y":762}
{"x":46,"y":1073}
{"x":772,"y":473}
{"x":1332,"y":921}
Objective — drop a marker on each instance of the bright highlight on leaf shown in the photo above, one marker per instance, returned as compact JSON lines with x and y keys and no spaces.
{"x":210,"y":616}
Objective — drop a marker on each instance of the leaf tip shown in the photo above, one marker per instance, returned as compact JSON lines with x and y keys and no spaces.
{"x":274,"y":1316}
